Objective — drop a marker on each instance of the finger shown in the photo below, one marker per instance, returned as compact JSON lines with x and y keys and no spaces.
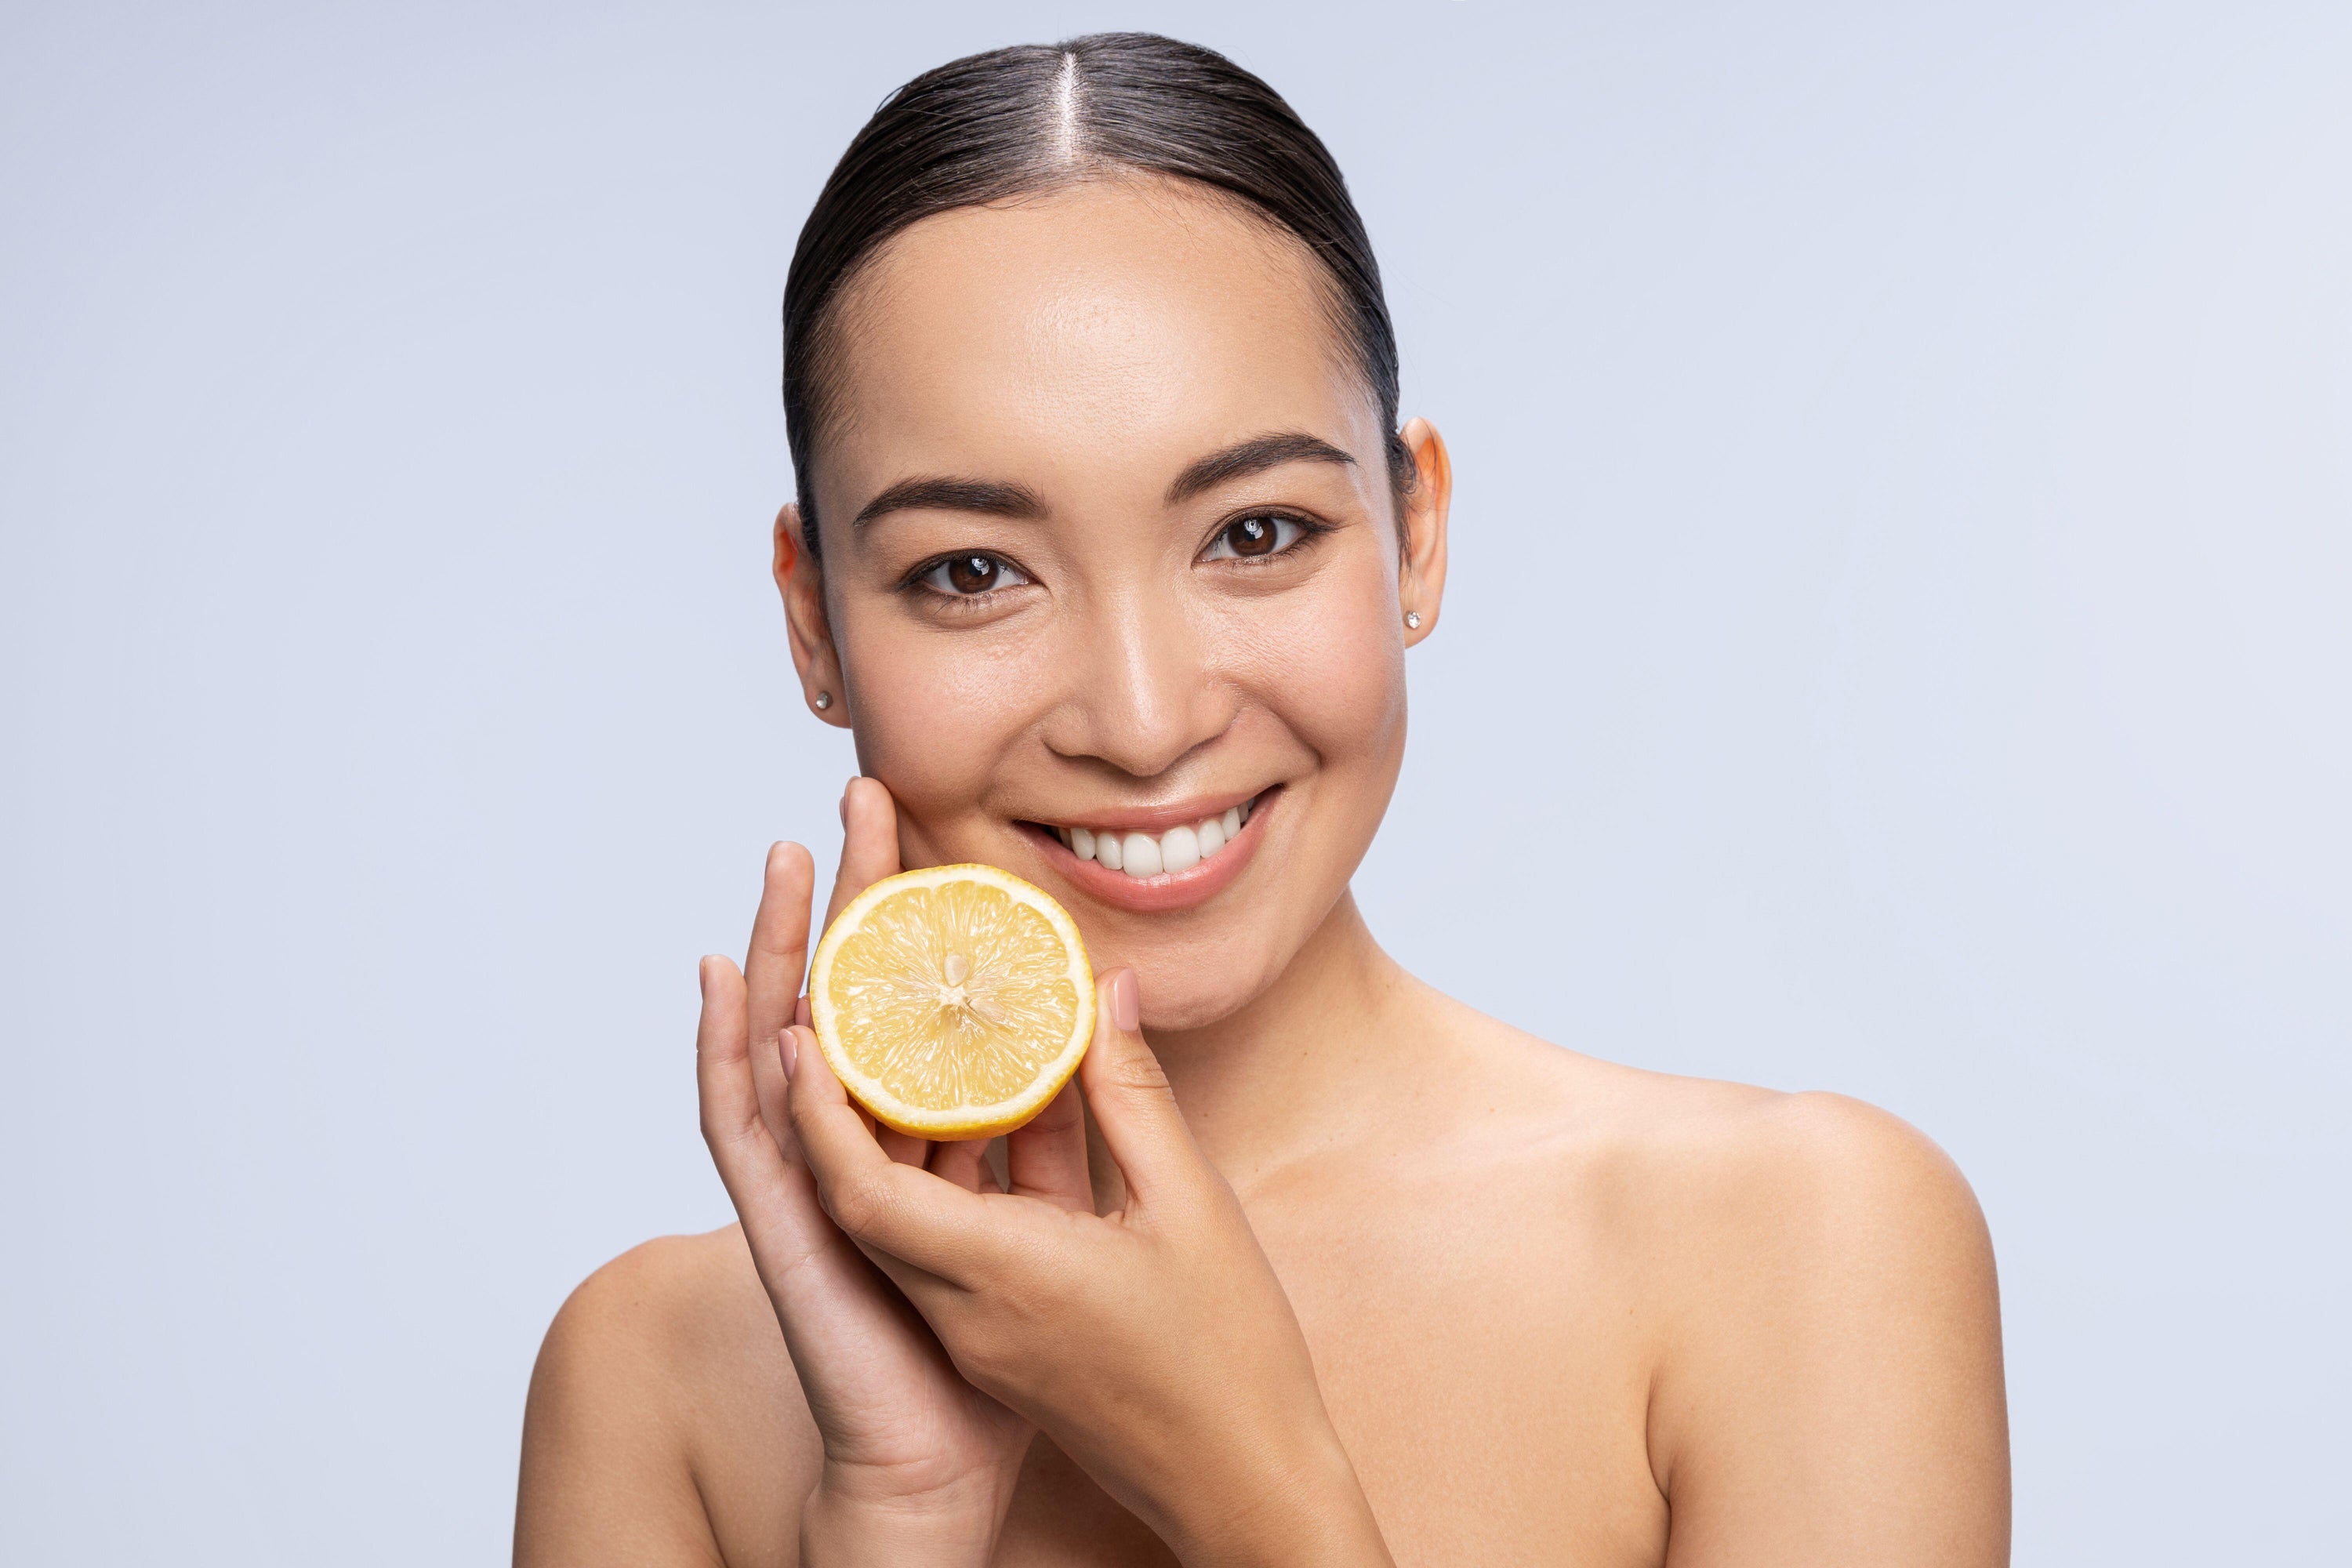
{"x":870,"y":842}
{"x":904,"y":1147}
{"x":888,"y":1207}
{"x":750,"y":1164}
{"x":771,"y":1082}
{"x":778,"y":955}
{"x":962,"y":1163}
{"x":1047,"y":1158}
{"x":829,"y":1299}
{"x":1133,"y":1103}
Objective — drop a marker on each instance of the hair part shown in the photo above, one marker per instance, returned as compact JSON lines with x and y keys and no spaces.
{"x":1031,"y":119}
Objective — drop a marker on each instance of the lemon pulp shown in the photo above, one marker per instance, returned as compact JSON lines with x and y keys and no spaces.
{"x":953,"y":1002}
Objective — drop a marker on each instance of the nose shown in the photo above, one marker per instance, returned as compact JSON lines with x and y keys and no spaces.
{"x":1143,"y":691}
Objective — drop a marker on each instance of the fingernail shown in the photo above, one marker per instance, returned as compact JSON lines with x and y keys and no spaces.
{"x":789,"y":1048}
{"x":801,"y":1012}
{"x":1126,"y":1001}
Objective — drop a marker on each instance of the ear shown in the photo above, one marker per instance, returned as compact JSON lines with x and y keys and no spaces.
{"x":801,"y":580}
{"x":1421,"y":579}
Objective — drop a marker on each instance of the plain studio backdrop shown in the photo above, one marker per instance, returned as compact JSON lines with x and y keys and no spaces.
{"x":1897,"y":642}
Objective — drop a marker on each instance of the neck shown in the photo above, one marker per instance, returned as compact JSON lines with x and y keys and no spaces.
{"x":1294,"y":1070}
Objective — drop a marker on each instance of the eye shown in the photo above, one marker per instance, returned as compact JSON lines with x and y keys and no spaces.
{"x":1254,"y":537}
{"x":972,"y":575}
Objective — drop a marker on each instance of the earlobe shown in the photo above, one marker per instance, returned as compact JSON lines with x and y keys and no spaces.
{"x":1420,"y":581}
{"x":800,"y":579}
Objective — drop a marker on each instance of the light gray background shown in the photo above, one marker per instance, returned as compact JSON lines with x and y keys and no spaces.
{"x":1898,"y":642}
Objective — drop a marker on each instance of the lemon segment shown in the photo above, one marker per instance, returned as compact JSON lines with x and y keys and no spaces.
{"x":953,"y":1002}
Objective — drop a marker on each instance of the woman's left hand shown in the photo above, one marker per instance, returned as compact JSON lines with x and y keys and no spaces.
{"x":1153,"y":1344}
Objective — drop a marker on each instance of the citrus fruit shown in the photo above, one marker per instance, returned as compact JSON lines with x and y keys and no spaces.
{"x":953,"y":1002}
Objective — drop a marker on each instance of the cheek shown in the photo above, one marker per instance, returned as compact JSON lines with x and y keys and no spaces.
{"x":1332,"y":667}
{"x":934,"y":715}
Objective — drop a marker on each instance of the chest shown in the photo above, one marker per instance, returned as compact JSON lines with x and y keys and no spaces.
{"x":1483,"y":1360}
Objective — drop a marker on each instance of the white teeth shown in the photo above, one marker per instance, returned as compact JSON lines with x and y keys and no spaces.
{"x":1140,"y":852}
{"x":1144,"y":855}
{"x":1180,"y":849}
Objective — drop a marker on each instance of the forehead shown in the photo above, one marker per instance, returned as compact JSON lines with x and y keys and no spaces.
{"x":1101,"y":336}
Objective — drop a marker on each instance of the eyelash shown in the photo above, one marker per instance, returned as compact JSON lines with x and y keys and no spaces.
{"x":945,"y":595}
{"x":1307,"y":531}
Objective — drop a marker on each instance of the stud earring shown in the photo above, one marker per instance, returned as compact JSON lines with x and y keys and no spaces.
{"x":1411,"y":621}
{"x":824,"y":701}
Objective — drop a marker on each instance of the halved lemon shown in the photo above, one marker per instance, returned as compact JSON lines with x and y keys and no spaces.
{"x":953,"y":1002}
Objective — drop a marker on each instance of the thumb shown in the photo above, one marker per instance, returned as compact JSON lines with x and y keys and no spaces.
{"x":870,"y":842}
{"x":1133,"y":1106}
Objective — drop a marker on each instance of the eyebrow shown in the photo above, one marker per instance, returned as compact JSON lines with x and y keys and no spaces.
{"x":953,"y":494}
{"x":993,"y":499}
{"x":1254,"y":456}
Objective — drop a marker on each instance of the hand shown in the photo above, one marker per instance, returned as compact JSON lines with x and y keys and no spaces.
{"x":918,"y":1465}
{"x":1153,"y":1344}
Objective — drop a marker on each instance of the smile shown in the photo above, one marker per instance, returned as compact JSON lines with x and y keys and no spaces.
{"x":1160,"y":860}
{"x":1173,"y":852}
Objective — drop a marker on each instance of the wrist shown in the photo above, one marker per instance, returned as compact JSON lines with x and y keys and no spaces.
{"x":848,"y":1521}
{"x":1299,"y":1508}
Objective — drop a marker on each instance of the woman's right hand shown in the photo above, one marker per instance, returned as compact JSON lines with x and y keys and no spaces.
{"x":918,"y":1465}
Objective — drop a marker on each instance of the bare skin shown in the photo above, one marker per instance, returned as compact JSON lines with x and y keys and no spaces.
{"x":1313,"y":1264}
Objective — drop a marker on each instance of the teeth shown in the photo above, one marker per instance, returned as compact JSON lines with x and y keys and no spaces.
{"x":1140,"y":854}
{"x":1180,"y":849}
{"x":1143,"y":855}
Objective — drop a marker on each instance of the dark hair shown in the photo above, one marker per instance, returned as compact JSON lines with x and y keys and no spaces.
{"x":1015,"y":121}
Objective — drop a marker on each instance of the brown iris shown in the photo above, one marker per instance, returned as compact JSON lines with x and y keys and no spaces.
{"x":1250,"y":536}
{"x":972,"y":574}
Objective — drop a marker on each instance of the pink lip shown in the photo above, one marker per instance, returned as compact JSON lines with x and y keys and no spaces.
{"x":1170,"y":889}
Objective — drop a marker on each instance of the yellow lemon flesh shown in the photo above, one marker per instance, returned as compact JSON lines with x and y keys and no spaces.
{"x":953,"y":1002}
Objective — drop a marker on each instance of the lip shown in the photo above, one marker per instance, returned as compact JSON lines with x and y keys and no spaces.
{"x":1170,"y":889}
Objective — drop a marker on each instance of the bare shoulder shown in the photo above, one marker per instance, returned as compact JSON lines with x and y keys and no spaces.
{"x":1787,"y":1176}
{"x":1820,"y":1312}
{"x":1746,"y":1171}
{"x":662,"y":1373}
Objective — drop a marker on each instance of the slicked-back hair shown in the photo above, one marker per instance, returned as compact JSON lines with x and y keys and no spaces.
{"x":1017,"y":121}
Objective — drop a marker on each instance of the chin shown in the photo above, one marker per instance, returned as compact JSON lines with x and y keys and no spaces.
{"x":1178,"y":996}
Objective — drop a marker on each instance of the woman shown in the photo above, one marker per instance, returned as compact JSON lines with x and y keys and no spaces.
{"x":1105,"y":522}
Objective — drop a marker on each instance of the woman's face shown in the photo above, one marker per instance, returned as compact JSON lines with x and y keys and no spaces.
{"x":1110,"y":545}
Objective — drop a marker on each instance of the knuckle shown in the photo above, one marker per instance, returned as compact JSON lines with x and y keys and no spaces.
{"x":857,"y":1206}
{"x":728,"y":1141}
{"x":719,"y":1134}
{"x":1062,"y":1114}
{"x":1139,"y":1073}
{"x":990,"y":1360}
